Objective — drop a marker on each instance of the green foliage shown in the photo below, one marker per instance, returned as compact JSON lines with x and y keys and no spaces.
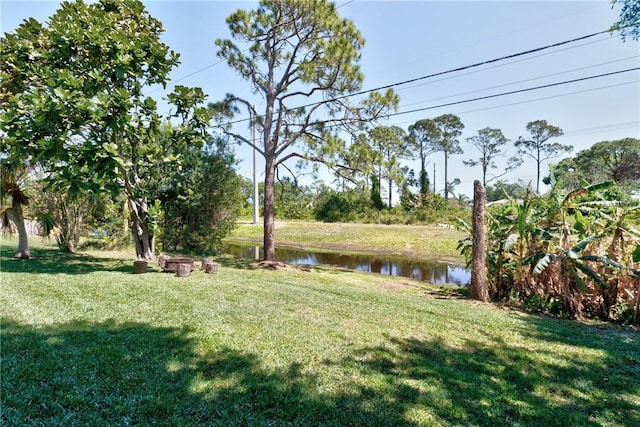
{"x":572,"y":249}
{"x":200,"y":202}
{"x":108,"y":223}
{"x":505,"y":190}
{"x":293,"y":201}
{"x":604,"y":161}
{"x":73,"y":101}
{"x":449,"y":128}
{"x":629,"y":22}
{"x":347,"y":206}
{"x":376,"y":197}
{"x":423,"y":136}
{"x":538,"y":148}
{"x":391,"y":145}
{"x":490,"y":143}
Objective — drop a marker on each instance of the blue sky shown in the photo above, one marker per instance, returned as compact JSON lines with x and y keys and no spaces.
{"x":409,"y":39}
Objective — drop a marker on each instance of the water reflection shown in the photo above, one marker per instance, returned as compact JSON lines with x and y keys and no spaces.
{"x":427,"y":271}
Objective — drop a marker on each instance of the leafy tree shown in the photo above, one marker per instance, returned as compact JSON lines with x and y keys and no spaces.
{"x":490,"y":142}
{"x":345,"y":206}
{"x":302,"y":58}
{"x":293,"y":201}
{"x":72,"y":100}
{"x":604,"y":161}
{"x":63,"y":216}
{"x":501,"y":190}
{"x":201,"y":200}
{"x":449,"y":129}
{"x":391,"y":143}
{"x":538,"y":148}
{"x":629,"y":22}
{"x":356,"y":163}
{"x":423,"y":135}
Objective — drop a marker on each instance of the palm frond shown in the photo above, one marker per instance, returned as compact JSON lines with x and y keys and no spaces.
{"x":592,"y":274}
{"x":581,"y":245}
{"x":462,"y":225}
{"x":578,"y":280}
{"x":602,"y":260}
{"x":544,"y":263}
{"x":510,"y":241}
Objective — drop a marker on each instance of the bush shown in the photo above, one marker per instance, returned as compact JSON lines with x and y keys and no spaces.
{"x":347,"y":206}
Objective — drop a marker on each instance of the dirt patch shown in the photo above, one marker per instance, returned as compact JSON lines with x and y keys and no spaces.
{"x":439,"y":293}
{"x":271,"y":265}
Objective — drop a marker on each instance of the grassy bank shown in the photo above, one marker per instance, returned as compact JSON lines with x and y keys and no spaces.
{"x":414,"y":241}
{"x":85,"y":342}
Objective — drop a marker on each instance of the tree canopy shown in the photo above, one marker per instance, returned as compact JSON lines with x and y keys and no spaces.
{"x":449,"y":129}
{"x":629,"y":22}
{"x":616,"y":161}
{"x":538,"y":147}
{"x":73,"y":101}
{"x":490,"y":143}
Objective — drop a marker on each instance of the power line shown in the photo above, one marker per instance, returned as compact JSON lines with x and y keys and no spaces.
{"x":504,"y":65}
{"x":453,"y":70}
{"x":466,"y":67}
{"x":480,"y":98}
{"x":524,"y":81}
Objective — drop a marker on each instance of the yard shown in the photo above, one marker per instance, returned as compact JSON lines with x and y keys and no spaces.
{"x":86,"y":342}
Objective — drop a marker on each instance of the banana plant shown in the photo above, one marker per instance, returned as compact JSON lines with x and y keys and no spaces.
{"x":574,"y":270}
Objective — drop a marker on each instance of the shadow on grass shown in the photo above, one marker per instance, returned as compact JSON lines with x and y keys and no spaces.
{"x":133,"y":374}
{"x":125,"y":374}
{"x":501,"y":384}
{"x":53,"y":261}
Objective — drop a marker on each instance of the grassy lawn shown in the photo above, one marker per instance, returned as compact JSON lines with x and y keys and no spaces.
{"x":414,"y":241}
{"x":85,"y":342}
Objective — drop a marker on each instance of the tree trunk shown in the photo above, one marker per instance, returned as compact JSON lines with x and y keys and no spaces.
{"x":269,"y":211}
{"x":390,"y":184}
{"x":446,"y":179}
{"x":70,"y":225}
{"x":23,"y":242}
{"x":538,"y":161}
{"x":142,"y":235}
{"x":479,"y":285}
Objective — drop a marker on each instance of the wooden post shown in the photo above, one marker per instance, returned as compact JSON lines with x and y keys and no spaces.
{"x":139,"y":267}
{"x":479,"y":284}
{"x":183,"y":270}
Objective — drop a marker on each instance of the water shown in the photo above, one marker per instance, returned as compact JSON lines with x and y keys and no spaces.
{"x":423,"y":270}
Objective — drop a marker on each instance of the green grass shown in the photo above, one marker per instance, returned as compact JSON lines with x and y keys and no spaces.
{"x":85,"y":342}
{"x":414,"y":241}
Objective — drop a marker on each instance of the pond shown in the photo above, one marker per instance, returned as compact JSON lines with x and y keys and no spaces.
{"x":423,"y":270}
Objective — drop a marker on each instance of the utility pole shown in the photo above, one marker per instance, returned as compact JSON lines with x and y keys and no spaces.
{"x":255,"y":169}
{"x":434,"y":178}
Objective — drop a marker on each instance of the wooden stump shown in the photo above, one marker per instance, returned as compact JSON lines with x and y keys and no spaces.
{"x":162,"y":261}
{"x":211,"y":268}
{"x":139,"y":267}
{"x":173,"y":263}
{"x":205,"y":261}
{"x":183,"y":270}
